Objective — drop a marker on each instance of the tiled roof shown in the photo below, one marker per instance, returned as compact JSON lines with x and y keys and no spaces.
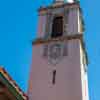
{"x":13,"y":84}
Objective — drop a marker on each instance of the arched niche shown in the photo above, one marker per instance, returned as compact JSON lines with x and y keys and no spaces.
{"x":57,"y":27}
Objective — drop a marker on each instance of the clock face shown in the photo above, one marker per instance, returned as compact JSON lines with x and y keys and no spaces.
{"x":54,"y":53}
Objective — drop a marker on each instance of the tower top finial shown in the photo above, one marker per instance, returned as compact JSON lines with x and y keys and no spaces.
{"x":62,"y":1}
{"x":58,"y":1}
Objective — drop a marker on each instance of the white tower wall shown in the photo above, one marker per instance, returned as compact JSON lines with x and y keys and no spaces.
{"x":68,"y":78}
{"x":71,"y":78}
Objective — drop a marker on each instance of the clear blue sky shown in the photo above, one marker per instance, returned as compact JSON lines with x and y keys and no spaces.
{"x":18,"y":25}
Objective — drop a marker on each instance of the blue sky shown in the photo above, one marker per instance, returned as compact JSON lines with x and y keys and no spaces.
{"x":18,"y":25}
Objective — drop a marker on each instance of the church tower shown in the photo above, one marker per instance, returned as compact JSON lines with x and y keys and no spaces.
{"x":59,"y":60}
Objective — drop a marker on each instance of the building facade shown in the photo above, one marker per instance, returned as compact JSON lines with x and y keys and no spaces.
{"x":59,"y":60}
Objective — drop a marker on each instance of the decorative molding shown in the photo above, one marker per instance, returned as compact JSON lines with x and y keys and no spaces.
{"x":65,"y":26}
{"x":41,"y":41}
{"x":63,"y":38}
{"x":66,"y":5}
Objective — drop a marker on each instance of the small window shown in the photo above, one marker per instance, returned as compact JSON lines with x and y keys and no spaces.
{"x":54,"y":77}
{"x":57,"y":27}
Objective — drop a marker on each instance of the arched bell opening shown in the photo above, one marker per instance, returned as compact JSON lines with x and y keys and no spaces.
{"x":57,"y":27}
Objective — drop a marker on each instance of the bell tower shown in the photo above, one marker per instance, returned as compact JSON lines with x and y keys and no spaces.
{"x":59,"y":60}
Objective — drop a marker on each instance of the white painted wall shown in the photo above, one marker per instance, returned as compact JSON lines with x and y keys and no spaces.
{"x":41,"y":26}
{"x":84,"y":77}
{"x":73,"y":22}
{"x":68,"y":78}
{"x":73,"y":26}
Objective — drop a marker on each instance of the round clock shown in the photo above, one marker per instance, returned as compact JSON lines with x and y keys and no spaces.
{"x":54,"y":53}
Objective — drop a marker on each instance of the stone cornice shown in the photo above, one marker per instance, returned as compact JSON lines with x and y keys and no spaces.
{"x":40,"y":41}
{"x":64,"y":38}
{"x":53,"y":6}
